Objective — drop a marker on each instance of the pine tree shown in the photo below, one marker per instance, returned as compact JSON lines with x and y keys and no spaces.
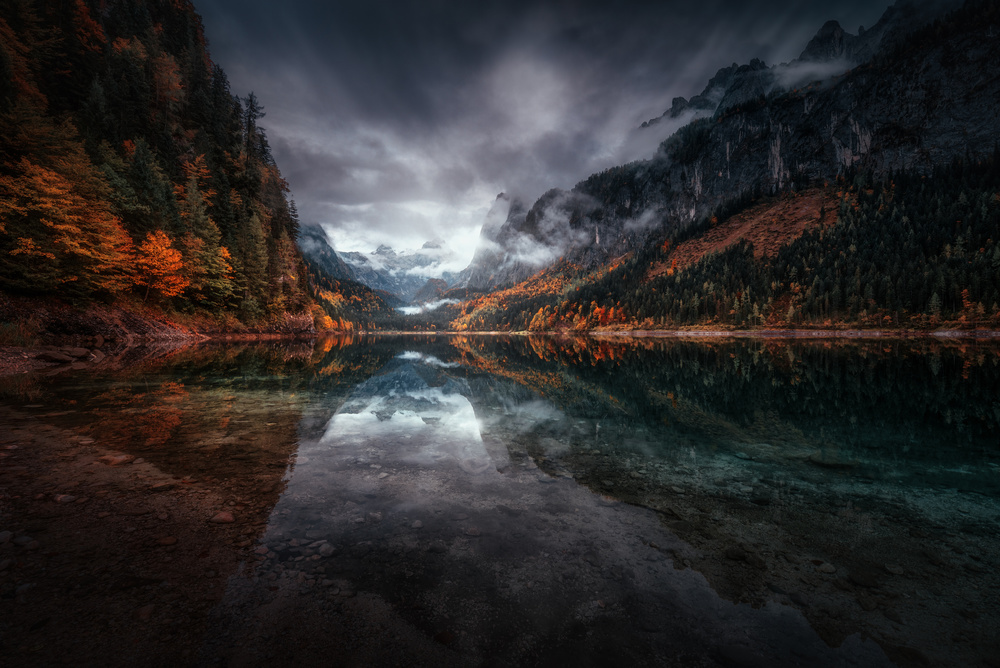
{"x":934,"y":305}
{"x":206,"y":261}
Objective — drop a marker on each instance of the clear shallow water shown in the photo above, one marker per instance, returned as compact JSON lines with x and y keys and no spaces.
{"x":515,"y":501}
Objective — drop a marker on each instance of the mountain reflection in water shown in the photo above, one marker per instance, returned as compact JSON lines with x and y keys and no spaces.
{"x":530,"y":501}
{"x":419,"y":413}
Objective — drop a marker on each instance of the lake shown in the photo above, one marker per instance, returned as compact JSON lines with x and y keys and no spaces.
{"x":495,"y":501}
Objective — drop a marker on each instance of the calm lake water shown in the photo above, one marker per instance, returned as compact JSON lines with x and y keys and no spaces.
{"x":506,"y":501}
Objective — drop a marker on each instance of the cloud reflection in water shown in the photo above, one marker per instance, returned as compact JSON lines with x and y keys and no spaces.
{"x":425,"y":425}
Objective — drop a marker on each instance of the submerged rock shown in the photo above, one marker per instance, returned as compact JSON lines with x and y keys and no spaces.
{"x":830,"y":460}
{"x":56,"y":357}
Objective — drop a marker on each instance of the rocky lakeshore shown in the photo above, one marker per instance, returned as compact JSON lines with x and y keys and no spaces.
{"x":54,"y":336}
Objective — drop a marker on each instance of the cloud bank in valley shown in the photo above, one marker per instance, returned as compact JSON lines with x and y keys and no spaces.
{"x":397,"y":122}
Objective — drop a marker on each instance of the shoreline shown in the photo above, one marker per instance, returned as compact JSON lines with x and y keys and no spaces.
{"x":55,"y":359}
{"x":708,"y":333}
{"x":81,"y":352}
{"x":811,"y":333}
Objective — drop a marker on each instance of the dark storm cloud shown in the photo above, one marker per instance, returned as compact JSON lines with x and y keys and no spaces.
{"x":392,"y":119}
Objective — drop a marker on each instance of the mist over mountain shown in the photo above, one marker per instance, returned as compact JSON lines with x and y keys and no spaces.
{"x":881,"y":100}
{"x":316,"y":246}
{"x":407,"y":272}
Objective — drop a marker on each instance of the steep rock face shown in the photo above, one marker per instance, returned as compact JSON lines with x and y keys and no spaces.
{"x":431,"y":291}
{"x":830,"y":43}
{"x":489,"y":266}
{"x":705,"y":102}
{"x":919,"y":101}
{"x":315,"y":245}
{"x":748,"y":83}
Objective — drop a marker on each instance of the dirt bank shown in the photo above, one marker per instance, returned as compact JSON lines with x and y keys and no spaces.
{"x":39,"y":334}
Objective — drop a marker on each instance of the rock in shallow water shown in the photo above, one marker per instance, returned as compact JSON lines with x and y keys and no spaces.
{"x":735,"y":553}
{"x":865,"y":578}
{"x":831,"y":461}
{"x":58,"y":358}
{"x":116,"y":460}
{"x":738,"y":655}
{"x":144,"y":613}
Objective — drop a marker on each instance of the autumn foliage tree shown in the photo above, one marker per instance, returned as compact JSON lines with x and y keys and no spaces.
{"x":159,"y":266}
{"x":207,"y":263}
{"x":59,"y":232}
{"x":127,"y":166}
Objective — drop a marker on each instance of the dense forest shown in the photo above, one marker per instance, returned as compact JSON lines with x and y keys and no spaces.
{"x":911,"y":250}
{"x":345,"y":306}
{"x":129,"y":168}
{"x":130,"y":173}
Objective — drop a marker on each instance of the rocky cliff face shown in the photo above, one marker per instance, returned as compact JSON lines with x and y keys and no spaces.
{"x":316,"y":247}
{"x":432,"y":291}
{"x":897,"y":96}
{"x":497,"y":245}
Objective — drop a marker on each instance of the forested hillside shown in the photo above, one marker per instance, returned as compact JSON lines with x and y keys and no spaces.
{"x":919,"y":94}
{"x":346,"y":305}
{"x":908,"y":251}
{"x":129,"y":170}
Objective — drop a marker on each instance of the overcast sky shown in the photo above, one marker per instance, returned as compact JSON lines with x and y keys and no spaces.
{"x":396,"y":122}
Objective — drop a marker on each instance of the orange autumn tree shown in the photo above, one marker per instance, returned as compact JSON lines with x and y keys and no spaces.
{"x":159,"y":266}
{"x":115,"y":123}
{"x":57,"y":231}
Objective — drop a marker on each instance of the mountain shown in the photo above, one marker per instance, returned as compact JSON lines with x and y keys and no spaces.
{"x":318,"y":250}
{"x":405,"y":273}
{"x":864,"y":198}
{"x":495,"y":255}
{"x":906,"y":94}
{"x":432,"y":291}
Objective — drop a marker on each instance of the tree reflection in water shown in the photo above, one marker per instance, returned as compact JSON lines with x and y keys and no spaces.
{"x":467,"y":493}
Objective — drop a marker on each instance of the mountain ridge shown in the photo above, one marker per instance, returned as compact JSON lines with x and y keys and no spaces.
{"x":404,"y":273}
{"x":893,"y":111}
